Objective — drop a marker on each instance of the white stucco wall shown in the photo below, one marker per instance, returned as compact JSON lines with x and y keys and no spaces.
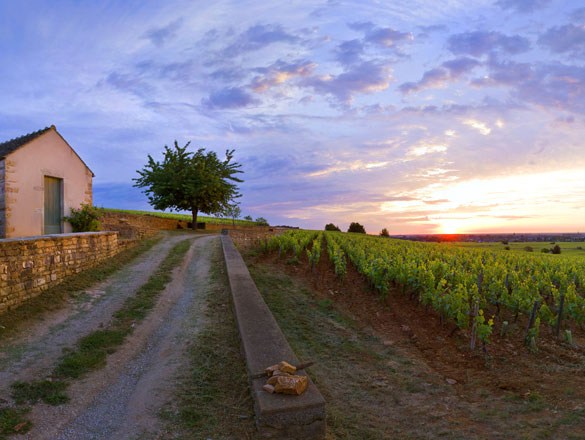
{"x":25,"y":169}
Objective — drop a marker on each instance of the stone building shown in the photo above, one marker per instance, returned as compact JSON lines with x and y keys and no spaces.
{"x":41,"y":179}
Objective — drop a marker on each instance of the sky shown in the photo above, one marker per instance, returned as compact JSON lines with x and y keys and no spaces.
{"x":418,"y":116}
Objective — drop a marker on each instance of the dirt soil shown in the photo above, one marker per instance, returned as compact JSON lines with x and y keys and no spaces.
{"x":544,"y":389}
{"x":123,"y":399}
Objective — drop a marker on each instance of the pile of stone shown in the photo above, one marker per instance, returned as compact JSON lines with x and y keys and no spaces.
{"x":281,"y":379}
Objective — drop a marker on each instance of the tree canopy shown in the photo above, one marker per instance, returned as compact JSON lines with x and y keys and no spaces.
{"x":332,"y":227}
{"x":356,"y":227}
{"x":190,"y":181}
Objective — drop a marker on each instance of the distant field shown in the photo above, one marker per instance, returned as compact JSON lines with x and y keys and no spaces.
{"x":200,"y":218}
{"x":567,"y":248}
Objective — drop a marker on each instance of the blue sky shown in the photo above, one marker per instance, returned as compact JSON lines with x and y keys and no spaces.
{"x":418,"y":117}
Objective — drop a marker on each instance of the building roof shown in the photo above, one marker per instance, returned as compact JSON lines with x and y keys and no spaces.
{"x":14,"y":144}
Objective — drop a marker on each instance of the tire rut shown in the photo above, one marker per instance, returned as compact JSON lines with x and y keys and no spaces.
{"x":33,"y":351}
{"x":122,"y":400}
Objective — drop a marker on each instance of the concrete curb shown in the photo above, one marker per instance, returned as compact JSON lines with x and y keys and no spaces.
{"x":278,"y":416}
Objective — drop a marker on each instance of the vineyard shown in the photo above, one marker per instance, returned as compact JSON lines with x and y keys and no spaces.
{"x":484,"y":291}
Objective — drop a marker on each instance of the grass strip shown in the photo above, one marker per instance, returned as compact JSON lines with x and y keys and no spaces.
{"x":213,"y":397}
{"x":51,"y":392}
{"x":12,"y":422}
{"x":91,"y":350}
{"x":54,"y":297}
{"x":346,"y":358}
{"x":185,"y":217}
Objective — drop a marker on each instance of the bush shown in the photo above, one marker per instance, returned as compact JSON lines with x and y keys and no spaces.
{"x":261,"y":221}
{"x":384,"y":233}
{"x":556,"y":249}
{"x":505,"y":242}
{"x":529,"y":249}
{"x":332,"y":227}
{"x":507,"y":248}
{"x":356,"y":227}
{"x":545,"y":250}
{"x":85,"y":219}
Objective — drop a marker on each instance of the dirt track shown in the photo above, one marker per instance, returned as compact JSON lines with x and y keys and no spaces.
{"x":121,"y":400}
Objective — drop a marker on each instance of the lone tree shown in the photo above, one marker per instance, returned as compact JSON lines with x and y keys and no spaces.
{"x":384,"y":233}
{"x":190,"y":181}
{"x":332,"y":227}
{"x":356,"y":227}
{"x":233,"y":211}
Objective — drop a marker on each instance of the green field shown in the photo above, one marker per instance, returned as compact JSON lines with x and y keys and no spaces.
{"x":571,"y":248}
{"x":200,"y":218}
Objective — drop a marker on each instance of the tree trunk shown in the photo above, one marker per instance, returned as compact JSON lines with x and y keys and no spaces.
{"x":194,"y":213}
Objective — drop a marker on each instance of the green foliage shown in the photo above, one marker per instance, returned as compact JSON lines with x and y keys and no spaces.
{"x":447,"y":278}
{"x":556,"y":250}
{"x":332,"y":227}
{"x":190,"y":181}
{"x":384,"y":233}
{"x":11,"y":419}
{"x":249,"y":218}
{"x":233,"y":211}
{"x":529,"y":249}
{"x":51,"y":392}
{"x":261,"y":221}
{"x":356,"y":227}
{"x":84,"y":219}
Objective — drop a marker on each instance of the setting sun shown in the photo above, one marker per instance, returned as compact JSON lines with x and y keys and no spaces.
{"x":450,"y":226}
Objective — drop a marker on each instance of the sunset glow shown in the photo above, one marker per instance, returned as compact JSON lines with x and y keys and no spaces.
{"x":464,"y":118}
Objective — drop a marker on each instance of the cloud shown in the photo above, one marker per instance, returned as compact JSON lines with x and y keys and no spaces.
{"x":449,"y":71}
{"x":127,"y":83}
{"x":555,"y":86}
{"x":280,"y":72}
{"x":479,"y":43}
{"x":367,"y":77}
{"x":386,"y":37}
{"x":350,"y":52}
{"x":228,"y":98}
{"x":505,"y":73}
{"x":578,"y":15}
{"x":160,"y":36}
{"x":258,"y":37}
{"x":524,"y":6}
{"x":479,"y":126}
{"x":568,"y":39}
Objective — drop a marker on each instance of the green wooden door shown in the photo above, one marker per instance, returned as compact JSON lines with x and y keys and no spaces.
{"x":52,"y":205}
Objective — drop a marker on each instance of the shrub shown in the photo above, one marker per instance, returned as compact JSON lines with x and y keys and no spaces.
{"x":545,"y":250}
{"x":529,"y":249}
{"x":384,"y":233}
{"x":249,"y":218}
{"x":84,"y":219}
{"x":262,"y":221}
{"x":505,"y":242}
{"x":332,"y":227}
{"x":356,"y":227}
{"x":556,"y":249}
{"x":507,"y":248}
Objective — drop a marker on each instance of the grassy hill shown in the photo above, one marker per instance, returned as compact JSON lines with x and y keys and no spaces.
{"x":200,"y":218}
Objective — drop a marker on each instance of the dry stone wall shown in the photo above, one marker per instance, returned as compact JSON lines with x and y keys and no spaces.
{"x":2,"y":199}
{"x":30,"y":265}
{"x":142,"y":222}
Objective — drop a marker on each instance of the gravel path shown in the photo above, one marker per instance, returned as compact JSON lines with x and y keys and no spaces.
{"x":122,"y":400}
{"x":33,"y":351}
